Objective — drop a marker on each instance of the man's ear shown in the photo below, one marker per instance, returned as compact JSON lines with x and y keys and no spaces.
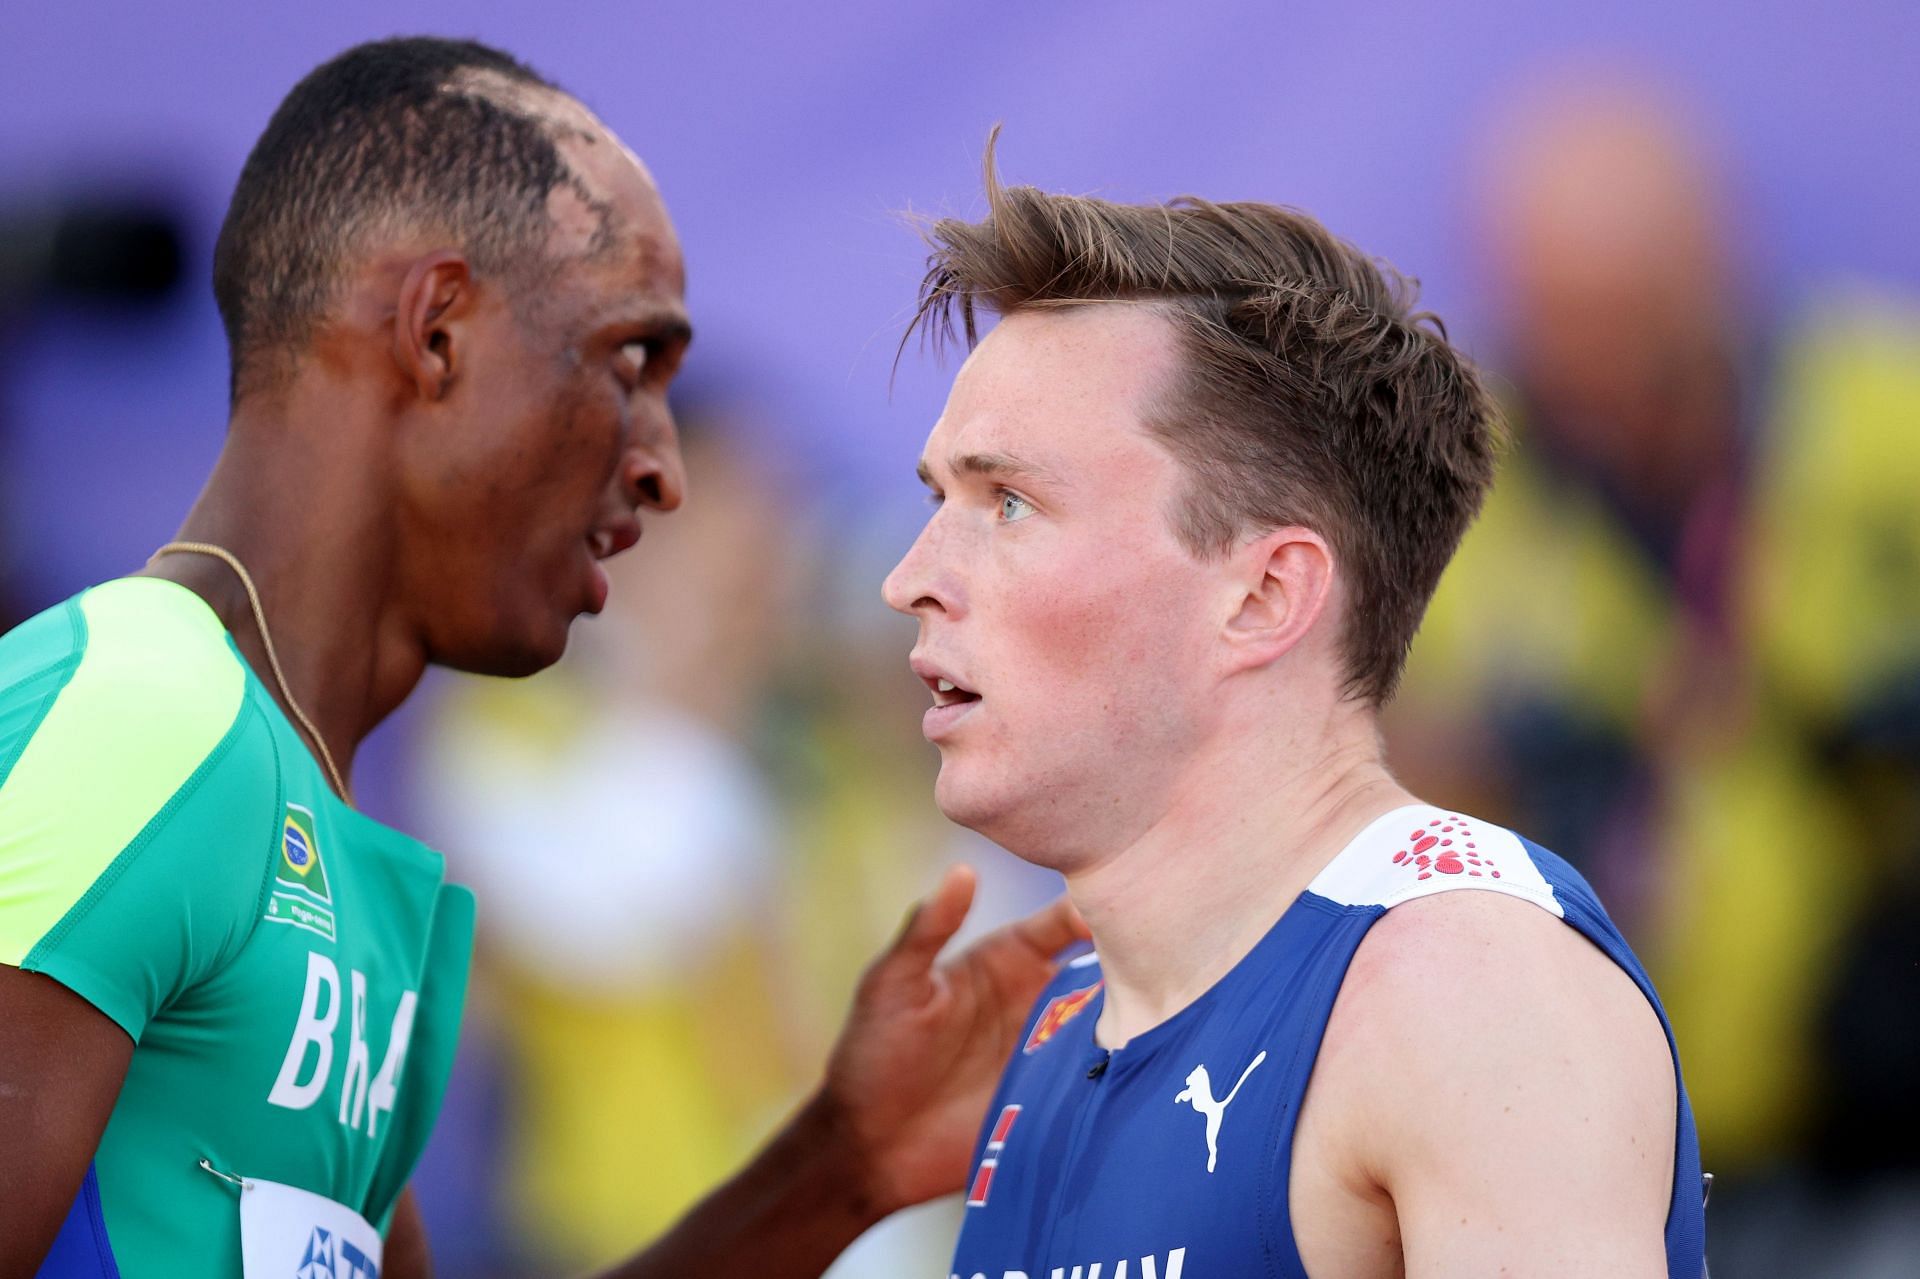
{"x":429,"y":330}
{"x":1284,"y":581}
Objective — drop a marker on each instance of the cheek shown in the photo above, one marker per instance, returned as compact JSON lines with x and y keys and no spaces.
{"x":481,"y":463}
{"x":562,"y":464}
{"x":1105,"y":640}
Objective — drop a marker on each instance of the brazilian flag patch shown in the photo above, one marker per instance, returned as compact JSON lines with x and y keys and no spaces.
{"x":301,"y":897}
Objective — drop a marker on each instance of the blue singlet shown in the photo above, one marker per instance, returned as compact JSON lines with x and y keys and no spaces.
{"x":1170,"y":1158}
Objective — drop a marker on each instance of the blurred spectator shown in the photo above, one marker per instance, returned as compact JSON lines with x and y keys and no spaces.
{"x":1683,"y":648}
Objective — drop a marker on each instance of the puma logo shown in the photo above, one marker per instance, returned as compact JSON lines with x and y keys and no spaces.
{"x":1199,"y":1092}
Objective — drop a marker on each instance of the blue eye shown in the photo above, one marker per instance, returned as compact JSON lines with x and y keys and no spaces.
{"x":1013,"y":506}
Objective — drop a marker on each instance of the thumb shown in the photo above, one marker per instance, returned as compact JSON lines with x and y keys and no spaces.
{"x":934,"y":921}
{"x":1053,"y":927}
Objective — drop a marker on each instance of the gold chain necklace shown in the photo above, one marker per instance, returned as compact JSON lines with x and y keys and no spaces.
{"x":232,"y":561}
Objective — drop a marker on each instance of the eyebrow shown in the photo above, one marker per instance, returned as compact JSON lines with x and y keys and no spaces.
{"x":674,"y":326}
{"x":669,"y":323}
{"x":993,"y":466}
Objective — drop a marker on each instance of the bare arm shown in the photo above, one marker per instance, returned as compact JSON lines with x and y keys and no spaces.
{"x":894,"y":1122}
{"x":406,"y":1255}
{"x":1505,"y":1090}
{"x":62,"y":1062}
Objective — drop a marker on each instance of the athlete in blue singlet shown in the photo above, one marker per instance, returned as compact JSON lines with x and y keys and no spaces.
{"x":1163,"y":1158}
{"x":1193,"y":493}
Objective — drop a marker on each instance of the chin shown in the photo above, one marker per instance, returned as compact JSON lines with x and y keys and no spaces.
{"x":961,"y":804}
{"x":520,"y":664}
{"x":996,"y":815}
{"x":511,"y":656}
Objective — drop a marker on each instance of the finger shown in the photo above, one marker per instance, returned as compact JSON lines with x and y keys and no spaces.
{"x":937,"y":918}
{"x":1053,"y":927}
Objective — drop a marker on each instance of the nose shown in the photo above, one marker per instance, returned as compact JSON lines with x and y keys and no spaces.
{"x":653,"y":474}
{"x":917,"y":583}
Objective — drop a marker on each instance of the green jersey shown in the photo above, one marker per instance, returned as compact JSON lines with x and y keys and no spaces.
{"x":290,"y":971}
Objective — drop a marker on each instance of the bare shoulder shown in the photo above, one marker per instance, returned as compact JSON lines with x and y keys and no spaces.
{"x":1469,"y":971}
{"x":1500,"y":1079}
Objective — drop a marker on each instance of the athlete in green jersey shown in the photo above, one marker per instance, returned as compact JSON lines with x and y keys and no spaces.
{"x":229,"y":1001}
{"x":292,"y":971}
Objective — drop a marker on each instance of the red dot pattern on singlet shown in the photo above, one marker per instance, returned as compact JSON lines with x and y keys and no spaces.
{"x":1445,"y":846}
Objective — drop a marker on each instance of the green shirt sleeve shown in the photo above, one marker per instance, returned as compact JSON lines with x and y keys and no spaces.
{"x":139,"y":797}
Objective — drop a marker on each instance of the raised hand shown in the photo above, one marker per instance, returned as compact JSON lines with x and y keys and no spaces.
{"x":922,"y":1049}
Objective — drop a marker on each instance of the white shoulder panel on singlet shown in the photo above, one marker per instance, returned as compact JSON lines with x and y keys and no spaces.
{"x":1420,"y":850}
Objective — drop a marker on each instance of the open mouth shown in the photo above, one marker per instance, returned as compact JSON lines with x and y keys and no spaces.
{"x":606,"y":540}
{"x":948,"y":693}
{"x":605,"y":543}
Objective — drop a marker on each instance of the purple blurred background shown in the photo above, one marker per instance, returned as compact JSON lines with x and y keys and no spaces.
{"x":789,"y":138}
{"x":789,"y":143}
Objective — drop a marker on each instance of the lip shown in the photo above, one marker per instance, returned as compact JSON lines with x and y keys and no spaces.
{"x":603,"y":543}
{"x":932,"y":672}
{"x":598,"y":588}
{"x":941,"y":721}
{"x":609,"y":540}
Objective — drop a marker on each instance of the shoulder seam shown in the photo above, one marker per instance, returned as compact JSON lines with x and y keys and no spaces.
{"x":66,"y":666}
{"x":273,"y":827}
{"x":1360,"y":874}
{"x":1525,"y":892}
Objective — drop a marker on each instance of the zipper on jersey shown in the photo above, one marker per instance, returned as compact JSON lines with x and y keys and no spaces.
{"x":1091,"y":1093}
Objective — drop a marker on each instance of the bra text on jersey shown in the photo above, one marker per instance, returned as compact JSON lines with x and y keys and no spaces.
{"x":360,"y":1096}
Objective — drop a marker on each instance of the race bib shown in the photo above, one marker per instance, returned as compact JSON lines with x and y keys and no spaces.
{"x":289,"y":1233}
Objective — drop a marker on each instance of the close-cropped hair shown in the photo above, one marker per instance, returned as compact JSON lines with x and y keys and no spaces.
{"x":390,"y":136}
{"x":1308,"y":393}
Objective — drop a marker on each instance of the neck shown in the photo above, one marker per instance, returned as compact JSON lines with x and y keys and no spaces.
{"x":295,"y":508}
{"x":1175,"y":910}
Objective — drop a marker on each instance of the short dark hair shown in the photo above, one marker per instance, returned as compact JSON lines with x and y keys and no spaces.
{"x":1310,"y":394}
{"x":390,"y":133}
